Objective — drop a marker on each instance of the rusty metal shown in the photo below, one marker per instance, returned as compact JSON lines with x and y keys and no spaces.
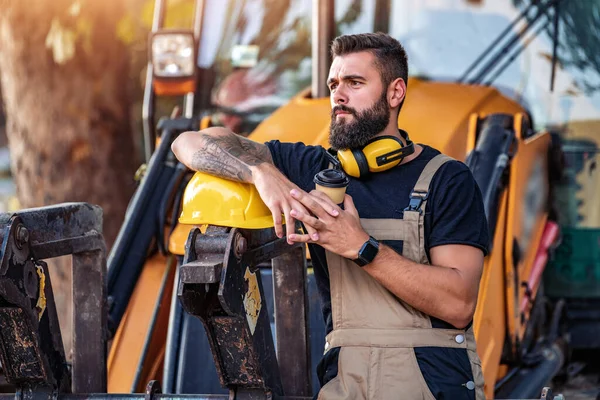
{"x":211,"y":244}
{"x":198,"y":272}
{"x":25,"y":356}
{"x":242,"y":354}
{"x":220,"y":284}
{"x":291,"y":320}
{"x":253,"y":394}
{"x":31,"y":347}
{"x":89,"y":321}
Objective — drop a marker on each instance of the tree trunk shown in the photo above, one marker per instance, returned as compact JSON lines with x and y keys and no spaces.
{"x":65,"y":87}
{"x":3,"y":140}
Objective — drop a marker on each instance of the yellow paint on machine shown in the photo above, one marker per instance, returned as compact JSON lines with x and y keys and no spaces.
{"x":252,"y":300}
{"x":41,"y":302}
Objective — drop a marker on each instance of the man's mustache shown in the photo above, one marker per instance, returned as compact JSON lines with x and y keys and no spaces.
{"x":344,"y":109}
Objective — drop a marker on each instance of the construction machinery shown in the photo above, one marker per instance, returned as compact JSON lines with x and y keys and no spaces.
{"x":202,"y":296}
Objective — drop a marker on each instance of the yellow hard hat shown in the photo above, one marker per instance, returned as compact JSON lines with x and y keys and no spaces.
{"x":179,"y":237}
{"x":216,"y":201}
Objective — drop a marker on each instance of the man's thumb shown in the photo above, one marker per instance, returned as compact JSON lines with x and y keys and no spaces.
{"x":349,"y":205}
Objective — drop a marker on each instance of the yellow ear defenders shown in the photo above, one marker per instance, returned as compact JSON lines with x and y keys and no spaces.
{"x":379,"y":154}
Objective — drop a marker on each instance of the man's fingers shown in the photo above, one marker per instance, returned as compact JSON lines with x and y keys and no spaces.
{"x":309,"y":202}
{"x":325,"y":202}
{"x":290,"y":224}
{"x":310,"y":231}
{"x":296,"y":238}
{"x":308,"y":220}
{"x":277,"y":221}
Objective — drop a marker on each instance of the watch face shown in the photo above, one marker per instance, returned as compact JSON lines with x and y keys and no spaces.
{"x":370,"y":251}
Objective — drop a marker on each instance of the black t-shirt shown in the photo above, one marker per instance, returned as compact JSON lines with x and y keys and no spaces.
{"x":454,"y":213}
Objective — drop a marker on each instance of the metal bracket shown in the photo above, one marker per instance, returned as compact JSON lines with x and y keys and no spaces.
{"x":31,"y":346}
{"x":220,"y":284}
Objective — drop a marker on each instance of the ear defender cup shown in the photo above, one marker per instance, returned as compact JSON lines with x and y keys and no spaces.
{"x":361,"y":161}
{"x":348,"y":163}
{"x":380,"y":154}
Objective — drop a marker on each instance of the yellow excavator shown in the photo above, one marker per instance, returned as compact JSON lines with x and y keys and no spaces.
{"x":253,"y":67}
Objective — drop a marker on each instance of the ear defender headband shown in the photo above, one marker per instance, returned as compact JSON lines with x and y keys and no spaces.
{"x":379,"y":154}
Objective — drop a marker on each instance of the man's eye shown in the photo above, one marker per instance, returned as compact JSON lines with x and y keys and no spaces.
{"x":355,"y":83}
{"x":333,"y":86}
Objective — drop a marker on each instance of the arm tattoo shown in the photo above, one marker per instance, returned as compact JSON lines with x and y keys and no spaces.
{"x":229,"y":156}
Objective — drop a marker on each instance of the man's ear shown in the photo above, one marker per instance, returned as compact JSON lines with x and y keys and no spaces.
{"x":396,"y":92}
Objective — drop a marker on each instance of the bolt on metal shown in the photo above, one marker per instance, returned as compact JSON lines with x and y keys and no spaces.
{"x":241,"y":245}
{"x":21,"y":236}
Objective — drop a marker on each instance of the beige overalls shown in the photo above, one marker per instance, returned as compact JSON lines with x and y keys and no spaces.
{"x":375,"y":330}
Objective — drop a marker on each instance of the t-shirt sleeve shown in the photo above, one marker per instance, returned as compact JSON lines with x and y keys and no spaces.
{"x":298,"y":162}
{"x":457,"y":215}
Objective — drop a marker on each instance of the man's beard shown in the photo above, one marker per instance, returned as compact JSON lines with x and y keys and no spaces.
{"x":356,"y":134}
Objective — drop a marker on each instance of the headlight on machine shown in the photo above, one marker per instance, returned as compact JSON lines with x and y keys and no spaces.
{"x":173,"y":54}
{"x":173,"y":59}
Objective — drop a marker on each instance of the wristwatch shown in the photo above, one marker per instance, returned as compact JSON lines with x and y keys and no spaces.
{"x":367,"y":252}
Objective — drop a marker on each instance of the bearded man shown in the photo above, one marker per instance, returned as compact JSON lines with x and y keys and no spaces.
{"x":397,"y":264}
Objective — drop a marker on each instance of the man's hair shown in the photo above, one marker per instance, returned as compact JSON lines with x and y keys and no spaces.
{"x":390,"y":56}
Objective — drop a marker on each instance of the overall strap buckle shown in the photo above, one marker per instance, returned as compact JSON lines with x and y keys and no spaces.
{"x":416,"y":201}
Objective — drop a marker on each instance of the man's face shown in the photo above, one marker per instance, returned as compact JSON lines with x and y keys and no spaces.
{"x":359,"y":106}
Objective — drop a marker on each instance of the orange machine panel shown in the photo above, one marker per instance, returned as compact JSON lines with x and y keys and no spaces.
{"x":154,"y":285}
{"x":527,"y":216}
{"x":435,"y":113}
{"x":489,"y":323}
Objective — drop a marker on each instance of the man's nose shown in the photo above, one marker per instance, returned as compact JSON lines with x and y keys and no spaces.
{"x":339,"y":97}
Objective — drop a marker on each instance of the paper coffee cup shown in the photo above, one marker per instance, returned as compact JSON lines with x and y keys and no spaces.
{"x":333,"y":183}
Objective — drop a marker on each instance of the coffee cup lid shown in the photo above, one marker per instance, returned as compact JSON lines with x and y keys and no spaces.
{"x":332,"y":178}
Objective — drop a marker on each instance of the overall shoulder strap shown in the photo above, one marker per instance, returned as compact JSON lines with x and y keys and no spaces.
{"x":420,"y":193}
{"x":414,"y":248}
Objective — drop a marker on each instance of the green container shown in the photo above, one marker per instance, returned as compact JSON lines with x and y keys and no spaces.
{"x":574,"y":271}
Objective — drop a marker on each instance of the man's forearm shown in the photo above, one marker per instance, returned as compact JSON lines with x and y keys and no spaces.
{"x":440,"y":292}
{"x":221,"y":153}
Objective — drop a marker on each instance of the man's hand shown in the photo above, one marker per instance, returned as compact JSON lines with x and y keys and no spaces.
{"x":447,"y":289}
{"x":341,"y":235}
{"x":274,"y":189}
